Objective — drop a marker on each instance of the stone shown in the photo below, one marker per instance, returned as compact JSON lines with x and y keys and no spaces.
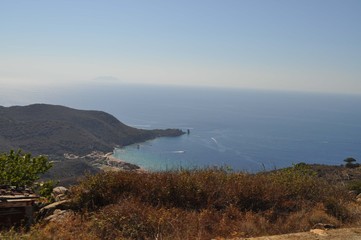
{"x":60,"y":193}
{"x":60,"y":190}
{"x":51,"y":208}
{"x":58,"y":215}
{"x":323,"y":226}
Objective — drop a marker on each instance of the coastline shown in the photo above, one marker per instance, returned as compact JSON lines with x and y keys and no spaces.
{"x":105,"y":161}
{"x":119,"y":163}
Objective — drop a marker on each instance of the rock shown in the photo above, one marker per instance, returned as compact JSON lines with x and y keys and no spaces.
{"x":130,"y":167}
{"x":352,"y":192}
{"x":323,"y":226}
{"x":57,"y":205}
{"x":51,"y":208}
{"x":60,"y":193}
{"x":58,"y":215}
{"x":60,"y":190}
{"x":358,"y":198}
{"x":61,"y":197}
{"x":70,"y":156}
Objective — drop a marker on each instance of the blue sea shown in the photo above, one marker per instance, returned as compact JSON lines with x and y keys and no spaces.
{"x":244,"y":130}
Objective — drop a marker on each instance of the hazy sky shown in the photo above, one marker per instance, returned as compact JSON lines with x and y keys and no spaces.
{"x":306,"y":45}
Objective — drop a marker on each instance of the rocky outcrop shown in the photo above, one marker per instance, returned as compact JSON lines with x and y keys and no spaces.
{"x":59,"y":215}
{"x":60,"y":193}
{"x":323,"y":226}
{"x":57,"y":209}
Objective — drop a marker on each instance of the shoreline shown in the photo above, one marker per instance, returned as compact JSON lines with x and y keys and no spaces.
{"x":105,"y":161}
{"x":113,"y":160}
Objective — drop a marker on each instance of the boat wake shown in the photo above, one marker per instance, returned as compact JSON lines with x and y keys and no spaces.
{"x":179,"y":152}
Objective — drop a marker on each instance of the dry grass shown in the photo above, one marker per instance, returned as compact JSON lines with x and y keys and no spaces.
{"x":201,"y":204}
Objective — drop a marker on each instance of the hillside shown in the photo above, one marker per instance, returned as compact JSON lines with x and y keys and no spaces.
{"x":55,"y":130}
{"x":208,"y":204}
{"x":58,"y":131}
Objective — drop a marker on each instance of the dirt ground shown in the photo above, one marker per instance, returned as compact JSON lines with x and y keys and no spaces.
{"x":316,"y":234}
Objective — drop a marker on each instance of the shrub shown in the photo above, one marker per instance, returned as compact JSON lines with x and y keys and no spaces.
{"x":20,"y":170}
{"x":350,"y":163}
{"x":355,"y":186}
{"x":202,"y":204}
{"x":281,"y":191}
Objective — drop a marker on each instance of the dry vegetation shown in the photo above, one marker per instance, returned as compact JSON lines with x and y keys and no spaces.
{"x":200,"y":204}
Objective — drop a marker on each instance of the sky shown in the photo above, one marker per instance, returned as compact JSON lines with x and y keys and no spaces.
{"x":308,"y":45}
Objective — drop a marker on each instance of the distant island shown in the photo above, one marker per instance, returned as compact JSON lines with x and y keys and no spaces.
{"x":57,"y":131}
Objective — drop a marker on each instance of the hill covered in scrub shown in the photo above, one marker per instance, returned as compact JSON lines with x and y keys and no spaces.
{"x":55,"y":130}
{"x":59,"y":131}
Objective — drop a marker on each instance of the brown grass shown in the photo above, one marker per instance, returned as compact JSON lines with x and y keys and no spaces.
{"x":200,"y":204}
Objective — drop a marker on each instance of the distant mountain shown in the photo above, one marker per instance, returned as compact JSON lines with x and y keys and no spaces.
{"x":55,"y":130}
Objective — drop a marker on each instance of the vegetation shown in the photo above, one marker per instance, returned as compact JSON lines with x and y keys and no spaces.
{"x":351,"y":162}
{"x":55,"y":130}
{"x":21,"y":170}
{"x":201,"y":204}
{"x":355,"y":186}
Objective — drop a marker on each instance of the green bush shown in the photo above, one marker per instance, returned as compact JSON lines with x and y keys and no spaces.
{"x":45,"y":189}
{"x":21,"y":170}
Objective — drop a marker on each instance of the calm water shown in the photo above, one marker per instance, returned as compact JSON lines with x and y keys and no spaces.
{"x":242,"y":129}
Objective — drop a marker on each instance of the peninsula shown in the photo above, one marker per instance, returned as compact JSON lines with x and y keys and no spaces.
{"x":56,"y":131}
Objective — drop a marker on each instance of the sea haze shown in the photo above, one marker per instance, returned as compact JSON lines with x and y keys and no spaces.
{"x":241,"y":129}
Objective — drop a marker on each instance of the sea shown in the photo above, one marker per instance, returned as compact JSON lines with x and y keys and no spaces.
{"x":235,"y":129}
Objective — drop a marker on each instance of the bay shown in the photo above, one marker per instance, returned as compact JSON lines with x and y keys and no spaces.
{"x":241,"y":129}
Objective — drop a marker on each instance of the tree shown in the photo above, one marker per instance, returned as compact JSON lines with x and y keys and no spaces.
{"x":350,"y":162}
{"x":21,"y":170}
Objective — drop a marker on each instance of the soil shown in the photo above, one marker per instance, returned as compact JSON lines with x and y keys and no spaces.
{"x":315,"y":234}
